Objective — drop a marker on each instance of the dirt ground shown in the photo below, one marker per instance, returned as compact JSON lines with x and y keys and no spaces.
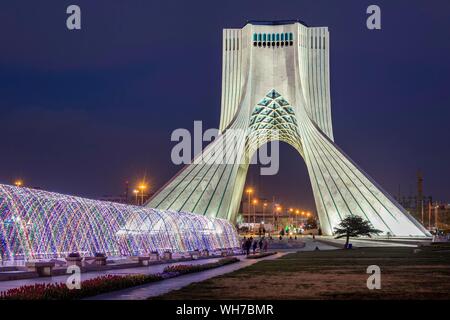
{"x":337,"y":274}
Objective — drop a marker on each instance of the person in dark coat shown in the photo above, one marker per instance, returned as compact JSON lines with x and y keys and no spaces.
{"x":265,"y":245}
{"x":260,"y":244}
{"x":248,"y":245}
{"x":255,"y":244}
{"x":244,"y":244}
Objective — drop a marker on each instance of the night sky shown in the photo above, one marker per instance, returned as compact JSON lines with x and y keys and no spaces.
{"x":83,"y":111}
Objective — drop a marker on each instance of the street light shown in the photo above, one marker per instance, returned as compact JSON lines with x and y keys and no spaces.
{"x":255,"y":202}
{"x":291,"y":211}
{"x":142,"y":187}
{"x":436,"y":212}
{"x":264,"y":211}
{"x":18,"y":183}
{"x":136,"y":192}
{"x":278,"y":210}
{"x":249,"y":192}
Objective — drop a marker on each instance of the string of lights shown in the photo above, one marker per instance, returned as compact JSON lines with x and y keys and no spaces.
{"x":36,"y":224}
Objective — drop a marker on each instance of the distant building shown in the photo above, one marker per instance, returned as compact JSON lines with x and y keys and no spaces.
{"x":431,"y":214}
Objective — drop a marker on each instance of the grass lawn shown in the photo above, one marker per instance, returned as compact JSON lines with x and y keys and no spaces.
{"x":336,"y":274}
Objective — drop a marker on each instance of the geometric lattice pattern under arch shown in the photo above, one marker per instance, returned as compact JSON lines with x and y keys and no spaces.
{"x":273,"y":113}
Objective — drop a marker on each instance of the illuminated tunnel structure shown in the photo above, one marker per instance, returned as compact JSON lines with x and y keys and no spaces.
{"x":37,"y":224}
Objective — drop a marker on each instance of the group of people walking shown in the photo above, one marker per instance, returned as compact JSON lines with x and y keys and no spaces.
{"x":253,"y":244}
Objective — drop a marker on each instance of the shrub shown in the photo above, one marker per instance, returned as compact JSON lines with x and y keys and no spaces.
{"x":260,"y":255}
{"x":190,"y":268}
{"x":74,"y":255}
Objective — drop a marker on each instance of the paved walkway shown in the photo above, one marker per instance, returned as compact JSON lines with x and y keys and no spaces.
{"x":293,"y":244}
{"x":362,"y":243}
{"x":311,"y":245}
{"x":162,"y":287}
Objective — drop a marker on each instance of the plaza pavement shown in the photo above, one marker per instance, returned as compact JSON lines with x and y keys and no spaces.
{"x":164,"y":286}
{"x":368,"y":243}
{"x":161,"y":287}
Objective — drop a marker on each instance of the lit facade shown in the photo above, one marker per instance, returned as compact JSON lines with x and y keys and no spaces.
{"x":275,"y":76}
{"x":37,"y":224}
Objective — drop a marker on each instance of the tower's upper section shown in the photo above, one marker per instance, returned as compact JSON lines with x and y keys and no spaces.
{"x":285,"y":55}
{"x":274,"y":22}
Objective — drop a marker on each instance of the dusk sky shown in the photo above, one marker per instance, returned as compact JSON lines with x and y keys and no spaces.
{"x":83,"y":111}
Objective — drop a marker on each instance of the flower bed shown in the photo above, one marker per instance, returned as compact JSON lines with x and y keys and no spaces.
{"x":92,"y":287}
{"x":103,"y":284}
{"x":190,"y":268}
{"x":260,"y":255}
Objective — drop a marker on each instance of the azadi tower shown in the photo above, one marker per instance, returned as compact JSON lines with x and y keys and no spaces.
{"x":275,"y":85}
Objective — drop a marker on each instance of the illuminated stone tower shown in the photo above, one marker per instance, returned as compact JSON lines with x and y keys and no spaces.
{"x":275,"y":76}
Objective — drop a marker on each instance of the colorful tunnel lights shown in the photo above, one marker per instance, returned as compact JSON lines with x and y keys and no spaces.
{"x":36,"y":224}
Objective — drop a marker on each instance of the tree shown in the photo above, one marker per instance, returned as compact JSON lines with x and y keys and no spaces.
{"x":354,"y":226}
{"x":244,"y":229}
{"x":311,"y":223}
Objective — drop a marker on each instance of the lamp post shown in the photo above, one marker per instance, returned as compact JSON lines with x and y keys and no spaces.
{"x":429,"y":219}
{"x":136,"y":192}
{"x":264,"y":211}
{"x":249,"y":192}
{"x":142,"y":187}
{"x":255,"y":202}
{"x":278,"y":210}
{"x":436,"y":208}
{"x":290,"y":216}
